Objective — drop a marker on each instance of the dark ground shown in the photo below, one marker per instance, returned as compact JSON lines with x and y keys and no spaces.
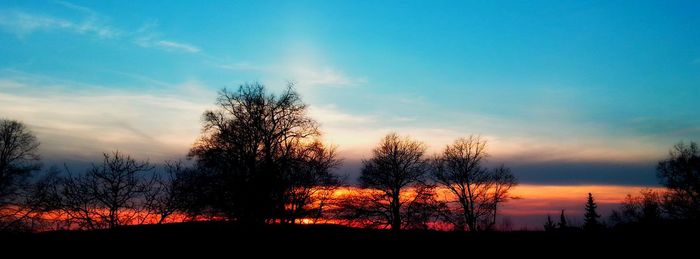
{"x":221,"y":238}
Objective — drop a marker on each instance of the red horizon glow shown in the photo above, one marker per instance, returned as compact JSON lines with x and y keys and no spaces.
{"x":527,"y":210}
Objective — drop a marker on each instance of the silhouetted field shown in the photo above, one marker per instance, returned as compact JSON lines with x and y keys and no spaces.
{"x":216,"y":237}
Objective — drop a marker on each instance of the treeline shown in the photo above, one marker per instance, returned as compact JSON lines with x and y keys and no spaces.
{"x":260,"y":159}
{"x":675,"y":208}
{"x":679,"y":204}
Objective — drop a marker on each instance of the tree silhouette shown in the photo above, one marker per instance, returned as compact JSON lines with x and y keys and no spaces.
{"x":549,"y":225}
{"x":478,"y":191}
{"x":107,"y":195}
{"x":310,"y":181}
{"x":258,"y":153}
{"x":116,"y":187}
{"x":18,"y":157}
{"x":562,"y":221}
{"x":397,"y":163}
{"x":503,"y":180}
{"x":645,"y":209}
{"x":164,"y":195}
{"x":590,"y":218}
{"x":680,"y":173}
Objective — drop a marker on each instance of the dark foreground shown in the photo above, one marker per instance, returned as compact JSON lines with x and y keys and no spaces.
{"x":317,"y":240}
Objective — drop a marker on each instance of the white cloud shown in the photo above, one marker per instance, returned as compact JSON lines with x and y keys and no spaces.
{"x":81,"y":124}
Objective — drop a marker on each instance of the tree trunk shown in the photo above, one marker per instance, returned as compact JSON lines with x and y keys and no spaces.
{"x":396,"y":212}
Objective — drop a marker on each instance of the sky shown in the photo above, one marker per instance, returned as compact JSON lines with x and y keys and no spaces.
{"x":567,"y":93}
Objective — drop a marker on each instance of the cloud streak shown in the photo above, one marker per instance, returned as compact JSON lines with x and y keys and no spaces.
{"x":172,"y":45}
{"x":148,"y":37}
{"x":23,"y":24}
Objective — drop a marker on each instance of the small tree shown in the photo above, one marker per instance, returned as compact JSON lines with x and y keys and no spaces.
{"x":549,"y":225}
{"x":645,"y":209}
{"x":107,"y":195}
{"x":163,"y":195}
{"x":562,"y":221}
{"x":503,"y":180}
{"x":590,"y":218}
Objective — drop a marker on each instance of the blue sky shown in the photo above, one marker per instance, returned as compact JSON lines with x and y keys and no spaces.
{"x":565,"y":91}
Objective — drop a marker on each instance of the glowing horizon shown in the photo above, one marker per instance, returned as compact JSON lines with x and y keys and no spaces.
{"x":527,"y":211}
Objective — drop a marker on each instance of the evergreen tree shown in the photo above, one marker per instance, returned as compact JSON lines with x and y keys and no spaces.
{"x":549,"y":225}
{"x":590,"y":219}
{"x":562,"y":221}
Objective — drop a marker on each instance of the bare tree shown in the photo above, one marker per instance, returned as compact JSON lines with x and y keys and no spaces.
{"x":251,"y":154}
{"x":397,"y":164}
{"x":162,"y":198}
{"x":478,"y":191}
{"x":503,"y":181}
{"x":680,"y":173}
{"x":107,"y":195}
{"x":118,"y":185}
{"x":645,"y":209}
{"x":310,"y":181}
{"x":18,"y":157}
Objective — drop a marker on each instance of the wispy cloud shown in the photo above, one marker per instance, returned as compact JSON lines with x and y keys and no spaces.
{"x":23,"y":24}
{"x":76,"y":7}
{"x":88,"y":22}
{"x":148,"y":37}
{"x":178,"y":46}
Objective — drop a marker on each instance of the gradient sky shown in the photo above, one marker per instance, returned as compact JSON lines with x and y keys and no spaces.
{"x":566,"y":92}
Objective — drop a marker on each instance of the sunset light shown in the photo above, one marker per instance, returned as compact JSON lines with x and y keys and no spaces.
{"x":421,"y":122}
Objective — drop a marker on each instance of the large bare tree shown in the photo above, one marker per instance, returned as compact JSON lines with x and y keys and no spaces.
{"x":254,"y":149}
{"x":477,"y":190}
{"x":397,"y":164}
